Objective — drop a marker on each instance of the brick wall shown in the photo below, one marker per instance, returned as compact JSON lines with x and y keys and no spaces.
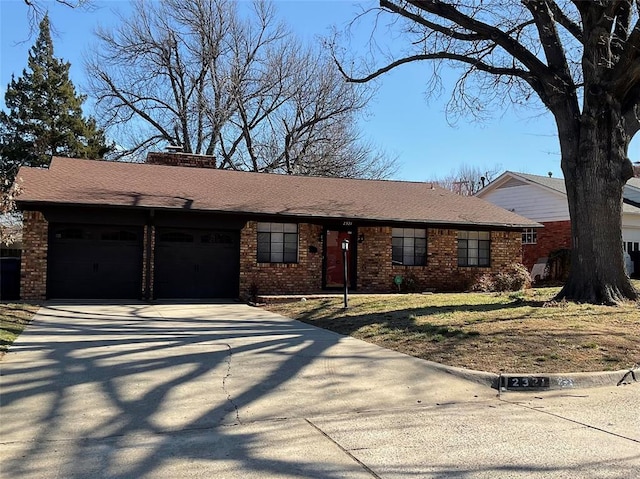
{"x":375,"y":270}
{"x":442,"y":273}
{"x":554,"y":236}
{"x":33,"y":276}
{"x":278,"y":278}
{"x":181,"y":159}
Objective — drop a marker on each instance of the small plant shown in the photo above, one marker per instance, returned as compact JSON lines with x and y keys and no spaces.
{"x":515,"y":278}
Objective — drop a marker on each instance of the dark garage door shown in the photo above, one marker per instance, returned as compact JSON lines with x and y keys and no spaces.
{"x":94,"y":262}
{"x":197,"y":264}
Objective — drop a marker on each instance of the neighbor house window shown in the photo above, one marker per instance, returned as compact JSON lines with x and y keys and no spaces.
{"x":409,"y":246}
{"x":474,"y":248}
{"x":277,"y":243}
{"x":529,"y":236}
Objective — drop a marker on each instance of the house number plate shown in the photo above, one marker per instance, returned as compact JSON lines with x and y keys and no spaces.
{"x":525,"y":382}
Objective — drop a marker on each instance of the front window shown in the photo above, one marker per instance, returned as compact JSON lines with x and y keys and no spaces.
{"x":529,"y":236}
{"x":277,"y":243}
{"x":409,"y":246}
{"x":474,"y":248}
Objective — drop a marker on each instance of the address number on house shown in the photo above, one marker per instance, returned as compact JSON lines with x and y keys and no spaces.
{"x":525,"y":382}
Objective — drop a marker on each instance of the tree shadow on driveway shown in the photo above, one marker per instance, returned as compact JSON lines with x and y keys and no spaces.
{"x":131,"y":365}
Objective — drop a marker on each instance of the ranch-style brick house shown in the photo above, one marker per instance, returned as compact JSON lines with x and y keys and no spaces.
{"x":176,"y":227}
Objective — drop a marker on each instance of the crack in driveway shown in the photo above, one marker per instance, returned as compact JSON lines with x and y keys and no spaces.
{"x":227,"y":375}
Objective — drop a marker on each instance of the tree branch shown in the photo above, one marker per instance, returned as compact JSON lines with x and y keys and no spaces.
{"x":550,"y":40}
{"x":511,"y":46}
{"x":479,"y":65}
{"x":392,"y":7}
{"x":559,"y":16}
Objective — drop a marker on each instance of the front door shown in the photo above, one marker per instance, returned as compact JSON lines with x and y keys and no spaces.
{"x":334,"y":264}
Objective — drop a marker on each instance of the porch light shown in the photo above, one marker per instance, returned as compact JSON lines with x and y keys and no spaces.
{"x":361,"y":238}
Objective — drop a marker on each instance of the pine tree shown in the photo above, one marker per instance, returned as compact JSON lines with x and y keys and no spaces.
{"x":44,"y":115}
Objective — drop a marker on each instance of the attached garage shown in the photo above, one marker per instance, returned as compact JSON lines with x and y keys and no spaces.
{"x":94,"y":262}
{"x":196,"y":263}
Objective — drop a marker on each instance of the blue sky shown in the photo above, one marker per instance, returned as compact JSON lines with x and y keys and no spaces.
{"x":400,"y":120}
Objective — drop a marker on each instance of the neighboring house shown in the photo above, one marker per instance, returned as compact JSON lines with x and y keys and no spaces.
{"x":544,"y":199}
{"x":98,"y":229}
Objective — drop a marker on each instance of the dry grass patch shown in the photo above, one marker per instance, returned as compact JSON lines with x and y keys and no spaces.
{"x":14,"y":317}
{"x":519,"y":332}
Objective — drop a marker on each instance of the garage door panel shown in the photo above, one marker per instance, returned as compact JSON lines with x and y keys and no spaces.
{"x":95,"y":262}
{"x":193,"y":263}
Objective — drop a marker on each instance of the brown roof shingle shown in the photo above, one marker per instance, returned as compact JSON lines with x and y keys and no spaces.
{"x":90,"y":182}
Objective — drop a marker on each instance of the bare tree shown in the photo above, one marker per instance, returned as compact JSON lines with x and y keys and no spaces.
{"x":36,"y":9}
{"x":467,"y":180}
{"x":223,"y":78}
{"x":581,"y":60}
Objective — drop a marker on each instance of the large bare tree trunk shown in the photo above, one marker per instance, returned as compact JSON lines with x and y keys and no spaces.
{"x":596,"y":169}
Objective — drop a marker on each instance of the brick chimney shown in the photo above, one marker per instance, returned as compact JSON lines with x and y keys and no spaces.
{"x":181,"y":159}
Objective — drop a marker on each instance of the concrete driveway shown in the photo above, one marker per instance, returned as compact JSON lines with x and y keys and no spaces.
{"x":230,"y":391}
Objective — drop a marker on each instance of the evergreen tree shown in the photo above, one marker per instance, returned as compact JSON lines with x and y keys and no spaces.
{"x":44,"y":115}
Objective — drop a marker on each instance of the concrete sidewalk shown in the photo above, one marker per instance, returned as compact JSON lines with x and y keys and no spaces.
{"x":230,"y":391}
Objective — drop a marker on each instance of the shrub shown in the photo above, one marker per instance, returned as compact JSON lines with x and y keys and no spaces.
{"x":520,"y":277}
{"x":483,"y":283}
{"x":515,"y":278}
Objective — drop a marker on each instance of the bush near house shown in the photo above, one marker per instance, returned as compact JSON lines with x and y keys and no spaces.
{"x":515,"y":278}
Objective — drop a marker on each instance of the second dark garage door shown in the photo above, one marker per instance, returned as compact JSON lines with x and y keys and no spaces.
{"x":196,"y":264}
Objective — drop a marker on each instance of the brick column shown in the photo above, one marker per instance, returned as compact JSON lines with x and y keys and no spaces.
{"x":35,"y":240}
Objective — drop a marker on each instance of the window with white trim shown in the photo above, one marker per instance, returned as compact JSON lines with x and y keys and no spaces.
{"x":474,"y":248}
{"x":530,"y":236}
{"x":409,"y":246}
{"x":277,"y":243}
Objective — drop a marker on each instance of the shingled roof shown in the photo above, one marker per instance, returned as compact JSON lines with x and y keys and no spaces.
{"x":91,"y":183}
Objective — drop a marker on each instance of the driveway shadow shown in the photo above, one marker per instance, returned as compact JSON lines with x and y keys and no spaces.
{"x":69,"y":349}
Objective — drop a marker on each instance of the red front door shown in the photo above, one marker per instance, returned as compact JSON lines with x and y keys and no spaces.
{"x":334,"y":273}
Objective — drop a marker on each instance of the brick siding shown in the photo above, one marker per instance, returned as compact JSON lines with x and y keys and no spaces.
{"x":279,"y":278}
{"x":375,"y":272}
{"x":442,"y":273}
{"x":33,"y":276}
{"x":554,"y":236}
